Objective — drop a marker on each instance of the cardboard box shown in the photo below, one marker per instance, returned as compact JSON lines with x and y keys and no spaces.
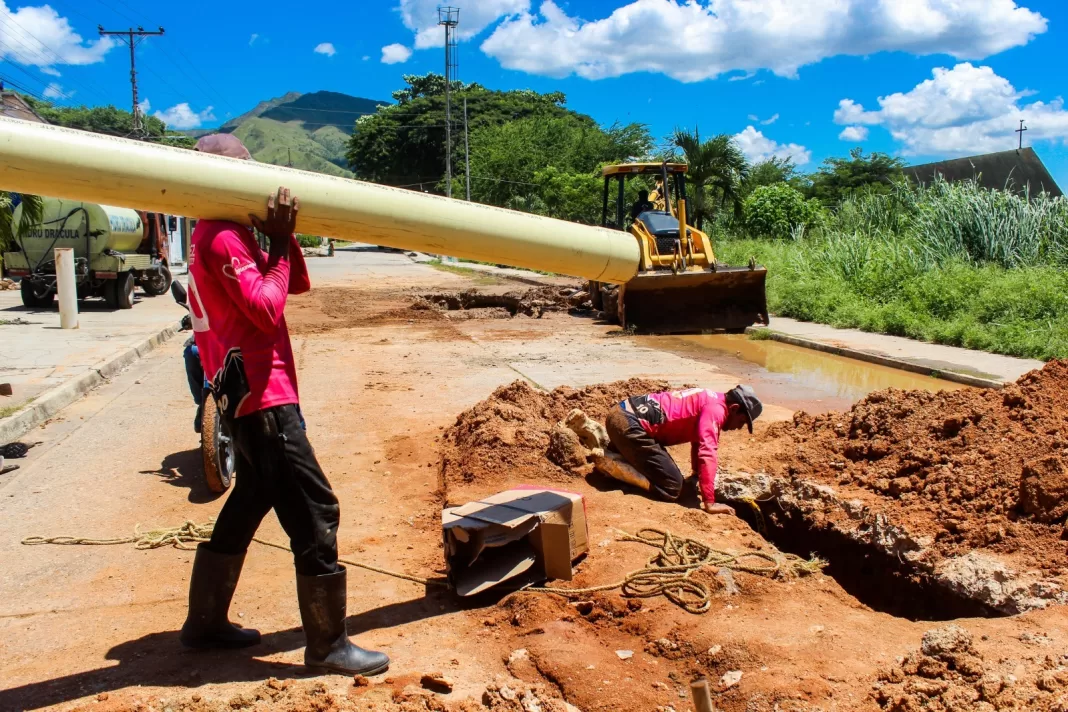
{"x":522,"y":535}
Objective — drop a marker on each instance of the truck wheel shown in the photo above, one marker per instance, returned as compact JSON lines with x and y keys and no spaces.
{"x":31,"y":294}
{"x":216,"y":447}
{"x":158,"y":282}
{"x":121,"y":291}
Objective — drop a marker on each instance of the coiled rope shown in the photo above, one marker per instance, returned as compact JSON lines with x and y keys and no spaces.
{"x":669,"y":573}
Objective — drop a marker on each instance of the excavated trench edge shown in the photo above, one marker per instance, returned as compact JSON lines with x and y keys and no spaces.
{"x":879,"y":563}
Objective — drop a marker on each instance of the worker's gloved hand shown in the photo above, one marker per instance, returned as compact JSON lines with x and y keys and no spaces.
{"x":281,"y":221}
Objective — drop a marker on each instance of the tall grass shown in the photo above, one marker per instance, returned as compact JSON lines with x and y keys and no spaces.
{"x":949,"y":263}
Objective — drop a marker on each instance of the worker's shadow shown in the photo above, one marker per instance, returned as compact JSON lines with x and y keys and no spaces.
{"x":159,"y":660}
{"x":185,"y":469}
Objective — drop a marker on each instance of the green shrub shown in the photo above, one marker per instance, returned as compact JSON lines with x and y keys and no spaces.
{"x":778,"y":210}
{"x":309,"y":240}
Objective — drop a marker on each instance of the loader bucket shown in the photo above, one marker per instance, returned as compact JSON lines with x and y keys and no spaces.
{"x":729,"y":298}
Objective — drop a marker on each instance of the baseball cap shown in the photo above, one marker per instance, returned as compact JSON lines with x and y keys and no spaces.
{"x":746,"y":397}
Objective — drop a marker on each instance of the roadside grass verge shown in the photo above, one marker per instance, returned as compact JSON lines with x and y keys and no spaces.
{"x":880,"y":285}
{"x":480,"y":278}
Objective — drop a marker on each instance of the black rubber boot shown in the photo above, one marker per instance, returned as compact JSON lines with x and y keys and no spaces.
{"x":322,"y":610}
{"x":210,"y":589}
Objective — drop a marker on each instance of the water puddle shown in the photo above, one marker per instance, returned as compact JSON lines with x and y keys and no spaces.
{"x":808,"y":376}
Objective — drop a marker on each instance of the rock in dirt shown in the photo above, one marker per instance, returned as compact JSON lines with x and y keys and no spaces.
{"x":625,"y":654}
{"x":730,"y":679}
{"x":590,"y":432}
{"x":565,"y":448}
{"x":944,"y":641}
{"x":1044,"y":489}
{"x":436,"y":682}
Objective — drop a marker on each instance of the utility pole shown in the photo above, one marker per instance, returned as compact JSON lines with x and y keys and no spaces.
{"x":450,"y":18}
{"x":1020,"y":132}
{"x":132,"y":38}
{"x":467,"y":154}
{"x":290,"y":162}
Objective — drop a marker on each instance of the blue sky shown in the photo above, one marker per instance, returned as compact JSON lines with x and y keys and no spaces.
{"x":808,"y":78}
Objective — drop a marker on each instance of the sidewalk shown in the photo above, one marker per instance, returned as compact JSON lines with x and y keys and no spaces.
{"x":975,"y":368}
{"x":49,"y":367}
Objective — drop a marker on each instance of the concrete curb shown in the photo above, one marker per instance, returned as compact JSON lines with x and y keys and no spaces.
{"x":512,"y":274}
{"x":52,"y":401}
{"x":880,"y":359}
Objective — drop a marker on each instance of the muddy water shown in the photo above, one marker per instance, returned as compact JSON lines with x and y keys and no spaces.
{"x":800,"y":378}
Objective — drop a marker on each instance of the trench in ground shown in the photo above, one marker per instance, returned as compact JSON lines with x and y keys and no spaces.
{"x":872,"y":576}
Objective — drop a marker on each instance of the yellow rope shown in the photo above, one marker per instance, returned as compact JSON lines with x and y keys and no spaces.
{"x":668,"y":573}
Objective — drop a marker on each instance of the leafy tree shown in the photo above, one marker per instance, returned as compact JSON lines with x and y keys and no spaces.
{"x":777,"y":210}
{"x":840,"y":178}
{"x":31,"y":213}
{"x":513,"y":135}
{"x":107,"y":120}
{"x":769,"y":172}
{"x":717,"y":171}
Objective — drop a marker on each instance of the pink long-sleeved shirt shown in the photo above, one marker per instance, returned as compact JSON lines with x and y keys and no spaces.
{"x":237,"y":296}
{"x":693,"y":416}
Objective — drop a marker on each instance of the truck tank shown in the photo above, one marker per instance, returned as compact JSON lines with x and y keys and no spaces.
{"x":89,"y":228}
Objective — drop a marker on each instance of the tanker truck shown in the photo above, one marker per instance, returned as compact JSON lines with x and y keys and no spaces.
{"x":115,"y":250}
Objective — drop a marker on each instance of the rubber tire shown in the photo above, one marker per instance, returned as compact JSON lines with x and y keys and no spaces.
{"x":218,"y":464}
{"x":154,"y":291}
{"x":610,"y":303}
{"x":122,"y":290}
{"x":31,"y":300}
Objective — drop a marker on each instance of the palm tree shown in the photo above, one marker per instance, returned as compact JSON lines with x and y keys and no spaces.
{"x":717,"y":168}
{"x":31,"y":213}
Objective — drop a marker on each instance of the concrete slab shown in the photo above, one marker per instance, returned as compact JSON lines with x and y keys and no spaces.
{"x":964,"y":365}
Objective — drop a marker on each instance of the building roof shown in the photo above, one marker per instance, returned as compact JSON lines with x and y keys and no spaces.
{"x":1005,"y":170}
{"x":14,"y":106}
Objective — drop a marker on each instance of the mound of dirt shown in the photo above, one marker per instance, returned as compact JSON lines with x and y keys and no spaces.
{"x":475,"y":304}
{"x":948,"y":674}
{"x":969,"y":469}
{"x":505,"y":438}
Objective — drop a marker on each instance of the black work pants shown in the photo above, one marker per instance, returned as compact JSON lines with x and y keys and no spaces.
{"x":277,"y":469}
{"x":645,"y":454}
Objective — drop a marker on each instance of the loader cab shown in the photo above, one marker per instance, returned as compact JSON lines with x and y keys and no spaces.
{"x":615,"y":209}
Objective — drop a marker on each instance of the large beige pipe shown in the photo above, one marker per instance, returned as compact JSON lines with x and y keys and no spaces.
{"x":65,"y":163}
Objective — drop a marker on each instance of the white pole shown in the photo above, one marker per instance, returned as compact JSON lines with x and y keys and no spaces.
{"x":66,"y":288}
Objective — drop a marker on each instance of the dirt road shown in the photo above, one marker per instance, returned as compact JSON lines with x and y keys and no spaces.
{"x":95,"y":628}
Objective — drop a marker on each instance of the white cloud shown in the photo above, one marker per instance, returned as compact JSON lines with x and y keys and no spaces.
{"x":960,"y":111}
{"x":145,"y":106}
{"x":252,"y":39}
{"x":711,"y":38}
{"x":757,"y":147}
{"x":366,"y":57}
{"x":55,"y":91}
{"x":395,"y":54}
{"x":181,"y":117}
{"x":40,"y":37}
{"x":326,"y":48}
{"x":421,"y":17}
{"x":854,"y":133}
{"x":770,"y":121}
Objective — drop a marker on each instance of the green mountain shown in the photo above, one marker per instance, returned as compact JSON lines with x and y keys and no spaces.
{"x":307,"y":131}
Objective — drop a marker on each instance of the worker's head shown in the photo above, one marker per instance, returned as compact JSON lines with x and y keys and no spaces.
{"x":643,"y":195}
{"x":223,"y":145}
{"x":743,"y":407}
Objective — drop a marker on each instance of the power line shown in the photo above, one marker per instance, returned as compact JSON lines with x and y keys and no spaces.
{"x":132,"y":38}
{"x":38,"y":54}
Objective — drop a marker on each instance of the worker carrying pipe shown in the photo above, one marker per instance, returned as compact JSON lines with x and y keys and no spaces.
{"x":641,"y":427}
{"x":237,"y":298}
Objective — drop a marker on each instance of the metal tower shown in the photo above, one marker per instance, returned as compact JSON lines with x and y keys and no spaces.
{"x":449,"y":17}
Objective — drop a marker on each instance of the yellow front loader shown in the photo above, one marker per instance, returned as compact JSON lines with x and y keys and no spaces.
{"x":679,"y":286}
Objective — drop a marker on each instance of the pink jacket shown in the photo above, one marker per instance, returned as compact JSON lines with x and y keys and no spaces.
{"x":237,"y":297}
{"x":693,"y":416}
